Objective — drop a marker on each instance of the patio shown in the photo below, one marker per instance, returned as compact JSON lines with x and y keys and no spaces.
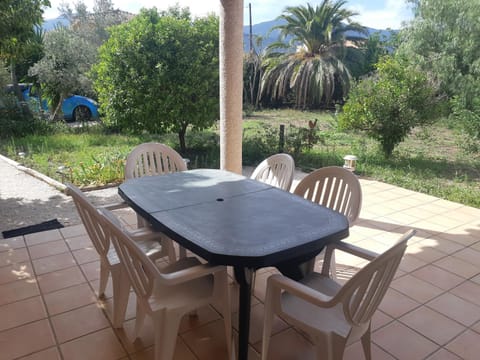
{"x":48,"y":280}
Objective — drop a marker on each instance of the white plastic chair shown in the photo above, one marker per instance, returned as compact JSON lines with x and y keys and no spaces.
{"x":276,"y":170}
{"x":150,"y":159}
{"x":336,"y":188}
{"x":169,"y":293}
{"x":334,"y":315}
{"x":147,"y":240}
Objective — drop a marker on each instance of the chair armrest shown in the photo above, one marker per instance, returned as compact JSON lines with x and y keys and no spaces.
{"x":191,"y":273}
{"x":345,"y":247}
{"x":115,"y":206}
{"x":355,"y":250}
{"x":280,"y":282}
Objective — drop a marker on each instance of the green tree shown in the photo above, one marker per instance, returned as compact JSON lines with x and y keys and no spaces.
{"x":159,"y":73}
{"x":63,"y":69}
{"x":17,"y":29}
{"x":314,"y":62}
{"x":442,"y":41}
{"x":387,"y":105}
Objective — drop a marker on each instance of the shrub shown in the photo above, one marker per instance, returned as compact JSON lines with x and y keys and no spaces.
{"x":389,"y":104}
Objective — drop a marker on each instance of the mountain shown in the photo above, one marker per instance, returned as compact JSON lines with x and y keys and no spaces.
{"x":52,"y":23}
{"x":258,"y":30}
{"x":263,"y":30}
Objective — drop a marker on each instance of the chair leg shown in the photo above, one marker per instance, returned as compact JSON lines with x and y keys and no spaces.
{"x":168,"y":244}
{"x":104,"y":272}
{"x":166,"y":330}
{"x":226,"y":313}
{"x":330,"y":347}
{"x":139,"y":320}
{"x":121,"y":290}
{"x":267,"y":324}
{"x":366,"y":344}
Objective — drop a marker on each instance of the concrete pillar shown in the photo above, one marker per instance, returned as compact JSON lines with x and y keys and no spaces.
{"x":231,"y":84}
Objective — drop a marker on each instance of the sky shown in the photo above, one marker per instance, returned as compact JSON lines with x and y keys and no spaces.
{"x":378,"y":14}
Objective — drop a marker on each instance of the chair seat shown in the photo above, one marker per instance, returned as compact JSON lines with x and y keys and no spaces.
{"x":179,"y":296}
{"x":325,"y":319}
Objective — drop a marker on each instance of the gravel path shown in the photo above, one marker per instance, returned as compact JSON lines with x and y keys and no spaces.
{"x":28,"y":198}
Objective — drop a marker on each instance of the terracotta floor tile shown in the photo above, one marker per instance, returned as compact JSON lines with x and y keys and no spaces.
{"x":48,"y":249}
{"x":469,"y":291}
{"x":443,"y":354}
{"x":411,"y":263}
{"x":456,"y":308}
{"x":207,"y":341}
{"x":11,"y":243}
{"x":60,"y":279}
{"x":415,"y":288}
{"x":182,"y":352}
{"x":380,"y":319}
{"x":52,"y":263}
{"x":43,"y":237}
{"x":439,"y":277}
{"x":466,"y":346}
{"x":395,"y":304}
{"x":18,"y":290}
{"x":13,"y":256}
{"x":13,"y":344}
{"x":91,"y":270}
{"x":79,"y":242}
{"x":21,"y":312}
{"x":440,"y":244}
{"x":425,"y":253}
{"x":127,"y":333}
{"x":256,"y":324}
{"x":402,"y":342}
{"x":18,"y":271}
{"x":469,"y":255}
{"x":73,"y":231}
{"x":86,"y":255}
{"x":204,"y":315}
{"x":355,"y":352}
{"x":290,"y":345}
{"x":49,"y":354}
{"x":79,"y":322}
{"x":131,"y":312}
{"x":457,"y":266}
{"x":100,"y":345}
{"x":69,"y":298}
{"x":432,"y":325}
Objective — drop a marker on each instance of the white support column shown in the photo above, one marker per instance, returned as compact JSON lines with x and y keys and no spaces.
{"x":231,"y":84}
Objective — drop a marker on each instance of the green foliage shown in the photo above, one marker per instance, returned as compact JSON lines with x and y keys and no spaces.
{"x":159,"y":73}
{"x":443,"y":42}
{"x":62,"y":70}
{"x":388,"y":105}
{"x":314,"y":67}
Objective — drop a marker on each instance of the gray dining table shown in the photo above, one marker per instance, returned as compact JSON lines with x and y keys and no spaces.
{"x":228,"y":219}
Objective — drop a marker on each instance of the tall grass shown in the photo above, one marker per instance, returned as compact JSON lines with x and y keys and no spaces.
{"x":431,"y":160}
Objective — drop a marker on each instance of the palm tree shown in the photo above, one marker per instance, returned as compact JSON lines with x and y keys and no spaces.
{"x":313,"y":63}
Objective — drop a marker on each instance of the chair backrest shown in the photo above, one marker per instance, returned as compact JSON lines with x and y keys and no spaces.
{"x":362,"y":294}
{"x":276,"y":170}
{"x":140,"y":269}
{"x":153,"y":159}
{"x":335,"y":188}
{"x":90,"y":218}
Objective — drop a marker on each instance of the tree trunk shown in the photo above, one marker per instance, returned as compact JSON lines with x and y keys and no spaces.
{"x":181,"y":138}
{"x":54,"y":115}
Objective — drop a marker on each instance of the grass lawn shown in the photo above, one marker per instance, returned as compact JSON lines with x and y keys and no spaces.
{"x":430,"y":160}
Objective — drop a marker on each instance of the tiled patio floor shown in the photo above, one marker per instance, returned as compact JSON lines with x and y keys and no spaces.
{"x":48,"y":280}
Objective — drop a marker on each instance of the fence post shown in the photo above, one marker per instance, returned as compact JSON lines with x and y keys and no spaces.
{"x":281,"y":138}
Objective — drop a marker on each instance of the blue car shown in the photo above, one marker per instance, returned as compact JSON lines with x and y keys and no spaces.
{"x":74,"y":107}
